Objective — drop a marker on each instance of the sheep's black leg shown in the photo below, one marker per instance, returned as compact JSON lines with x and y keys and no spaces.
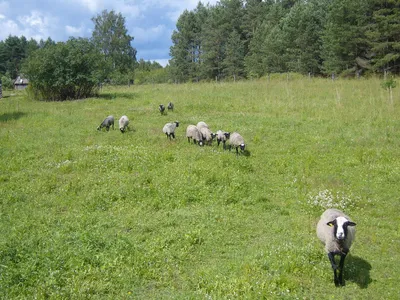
{"x":341,"y":266}
{"x":173,"y":135}
{"x":331,"y":256}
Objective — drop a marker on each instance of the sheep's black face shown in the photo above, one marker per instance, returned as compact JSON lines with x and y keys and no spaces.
{"x":340,"y":225}
{"x":242,"y":146}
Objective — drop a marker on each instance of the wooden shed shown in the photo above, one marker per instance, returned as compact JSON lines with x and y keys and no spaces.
{"x":20,"y":83}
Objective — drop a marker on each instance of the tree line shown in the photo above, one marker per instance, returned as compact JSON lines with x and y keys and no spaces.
{"x":230,"y":40}
{"x":249,"y":39}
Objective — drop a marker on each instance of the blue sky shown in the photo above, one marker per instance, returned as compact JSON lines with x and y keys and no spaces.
{"x":150,"y":22}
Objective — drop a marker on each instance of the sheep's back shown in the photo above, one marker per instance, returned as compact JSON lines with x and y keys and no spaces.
{"x":236,"y":139}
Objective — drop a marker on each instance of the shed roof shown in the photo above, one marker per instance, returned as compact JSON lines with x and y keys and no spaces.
{"x":21,"y":81}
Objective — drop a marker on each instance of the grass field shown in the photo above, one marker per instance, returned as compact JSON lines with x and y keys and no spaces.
{"x":104,"y":215}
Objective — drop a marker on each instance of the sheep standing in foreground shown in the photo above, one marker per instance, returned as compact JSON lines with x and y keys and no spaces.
{"x":161,"y":108}
{"x":123,"y":123}
{"x":236,"y":140}
{"x":169,"y":129}
{"x":222,"y":136}
{"x":193,"y":133}
{"x":337,"y":232}
{"x":170,"y":106}
{"x":107,"y":123}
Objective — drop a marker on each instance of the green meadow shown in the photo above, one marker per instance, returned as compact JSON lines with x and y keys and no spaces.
{"x":89,"y":214}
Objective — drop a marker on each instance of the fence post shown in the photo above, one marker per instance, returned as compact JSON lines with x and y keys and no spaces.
{"x":1,"y":92}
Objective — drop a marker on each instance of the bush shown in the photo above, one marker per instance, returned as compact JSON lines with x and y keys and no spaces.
{"x":64,"y":71}
{"x":7,"y":83}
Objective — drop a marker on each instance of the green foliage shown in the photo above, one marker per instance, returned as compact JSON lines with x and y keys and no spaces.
{"x":384,"y":35}
{"x":64,"y":71}
{"x":7,"y":82}
{"x":112,"y":39}
{"x":389,"y":84}
{"x":13,"y":50}
{"x":103,"y":215}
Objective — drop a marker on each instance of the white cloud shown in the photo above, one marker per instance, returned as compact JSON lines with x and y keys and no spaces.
{"x":2,"y":16}
{"x":162,"y":62}
{"x":131,"y":11}
{"x":92,"y":5}
{"x":74,"y":31}
{"x":37,"y":25}
{"x":145,"y":35}
{"x":8,"y":27}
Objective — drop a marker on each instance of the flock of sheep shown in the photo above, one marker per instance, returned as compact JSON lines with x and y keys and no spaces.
{"x":200,"y":133}
{"x":335,"y":229}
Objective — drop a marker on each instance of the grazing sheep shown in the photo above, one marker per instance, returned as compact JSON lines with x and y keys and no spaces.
{"x":207,"y":135}
{"x":337,"y":232}
{"x":161,"y":108}
{"x":169,"y":129}
{"x":107,"y":122}
{"x":201,"y":124}
{"x":123,"y":123}
{"x":193,"y":133}
{"x":222,"y":136}
{"x":236,"y":140}
{"x":170,"y":106}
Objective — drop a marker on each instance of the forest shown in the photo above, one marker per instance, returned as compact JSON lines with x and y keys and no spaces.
{"x":247,"y":39}
{"x":231,"y":40}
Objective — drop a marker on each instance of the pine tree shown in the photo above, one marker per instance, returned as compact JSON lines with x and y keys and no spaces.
{"x":384,"y":36}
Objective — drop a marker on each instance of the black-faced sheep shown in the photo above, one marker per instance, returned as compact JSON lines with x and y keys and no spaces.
{"x":236,"y":140}
{"x":161,"y":108}
{"x":169,"y":129}
{"x":107,"y":123}
{"x":337,"y":232}
{"x":193,"y":133}
{"x":170,"y":106}
{"x":123,"y":123}
{"x":222,"y":136}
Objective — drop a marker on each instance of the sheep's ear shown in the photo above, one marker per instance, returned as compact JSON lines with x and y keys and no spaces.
{"x":330,"y":224}
{"x":351,"y":224}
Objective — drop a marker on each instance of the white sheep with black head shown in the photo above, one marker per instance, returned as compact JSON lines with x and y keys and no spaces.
{"x":222,"y":136}
{"x":170,"y":106}
{"x":337,"y":232}
{"x":237,"y":141}
{"x":169,"y":129}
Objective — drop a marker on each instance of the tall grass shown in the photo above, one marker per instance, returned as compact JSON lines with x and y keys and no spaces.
{"x":88,"y":214}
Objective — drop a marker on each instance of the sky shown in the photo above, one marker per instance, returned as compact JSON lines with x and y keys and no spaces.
{"x":150,"y":22}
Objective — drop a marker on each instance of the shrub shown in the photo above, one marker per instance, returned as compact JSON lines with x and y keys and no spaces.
{"x":64,"y":71}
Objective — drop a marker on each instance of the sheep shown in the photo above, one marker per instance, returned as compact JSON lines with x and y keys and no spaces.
{"x":169,"y":129}
{"x":161,"y":108}
{"x":107,"y":122}
{"x":236,"y":140}
{"x":337,"y":232}
{"x":201,"y":124}
{"x":123,"y":123}
{"x":222,"y":136}
{"x":206,"y":135}
{"x":193,"y":133}
{"x":170,"y":106}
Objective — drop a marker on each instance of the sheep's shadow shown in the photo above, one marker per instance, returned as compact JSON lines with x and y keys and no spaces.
{"x":11,"y":116}
{"x":357,"y":271}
